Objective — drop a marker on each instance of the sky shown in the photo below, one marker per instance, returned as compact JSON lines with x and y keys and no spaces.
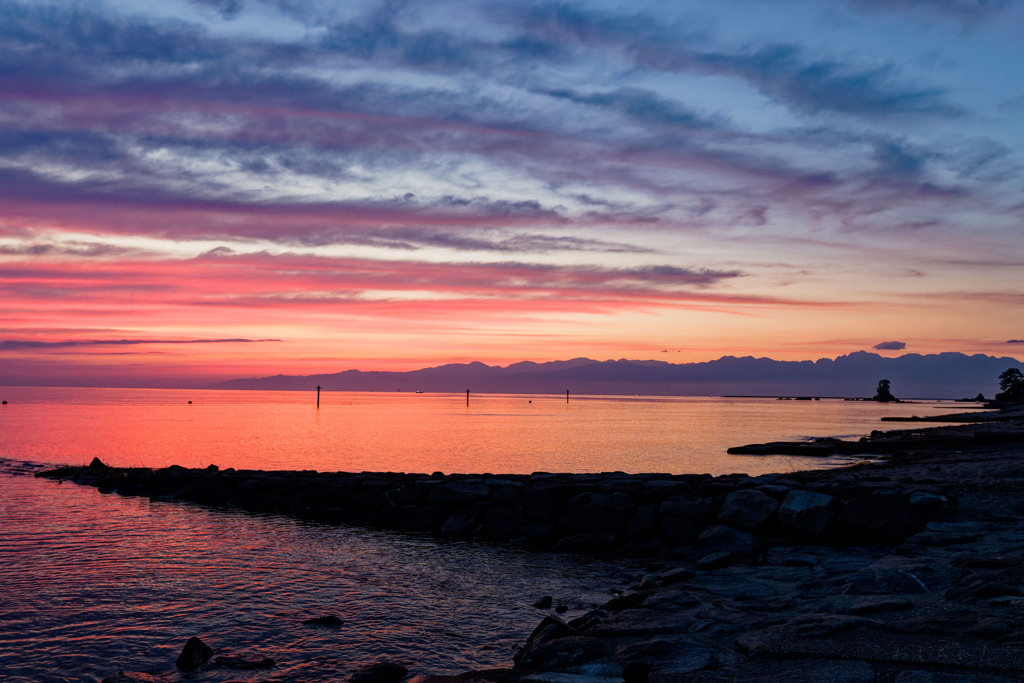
{"x":199,"y":190}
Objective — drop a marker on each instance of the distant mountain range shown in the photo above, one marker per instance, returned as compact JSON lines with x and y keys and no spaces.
{"x":944,"y":375}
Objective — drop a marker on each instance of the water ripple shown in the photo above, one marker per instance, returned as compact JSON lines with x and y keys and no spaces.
{"x":94,"y":584}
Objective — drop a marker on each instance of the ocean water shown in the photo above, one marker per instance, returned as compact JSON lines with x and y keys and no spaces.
{"x":91,"y":584}
{"x":407,"y":432}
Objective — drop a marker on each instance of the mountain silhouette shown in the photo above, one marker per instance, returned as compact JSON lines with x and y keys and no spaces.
{"x":943,"y":375}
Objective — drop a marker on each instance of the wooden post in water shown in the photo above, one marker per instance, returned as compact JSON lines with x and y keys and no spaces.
{"x":467,"y":397}
{"x":318,"y":396}
{"x":566,"y":395}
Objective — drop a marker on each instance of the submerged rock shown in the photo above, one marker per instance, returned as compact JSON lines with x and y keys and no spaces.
{"x":244,"y":663}
{"x":326,"y":620}
{"x":134,"y":677}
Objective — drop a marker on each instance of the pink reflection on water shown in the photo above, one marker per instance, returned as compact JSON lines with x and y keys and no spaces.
{"x":355,"y":431}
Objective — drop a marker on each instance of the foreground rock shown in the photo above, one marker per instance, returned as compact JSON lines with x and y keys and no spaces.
{"x":653,"y":516}
{"x":909,"y":569}
{"x":193,"y":655}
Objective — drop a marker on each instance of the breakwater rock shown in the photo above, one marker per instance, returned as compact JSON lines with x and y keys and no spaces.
{"x":700,"y":518}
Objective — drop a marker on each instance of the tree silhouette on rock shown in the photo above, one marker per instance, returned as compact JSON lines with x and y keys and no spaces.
{"x":883,"y":393}
{"x":1011,"y":381}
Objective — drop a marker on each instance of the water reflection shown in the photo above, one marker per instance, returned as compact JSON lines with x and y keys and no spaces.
{"x":94,"y":584}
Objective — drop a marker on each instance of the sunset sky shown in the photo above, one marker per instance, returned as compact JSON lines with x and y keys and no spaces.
{"x":193,"y":191}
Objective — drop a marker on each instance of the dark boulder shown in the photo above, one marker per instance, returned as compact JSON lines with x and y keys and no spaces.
{"x":381,"y":672}
{"x":326,"y":620}
{"x":133,"y":677}
{"x":245,"y":663}
{"x":500,"y":523}
{"x":882,"y":516}
{"x":563,"y":653}
{"x":808,"y":514}
{"x":550,"y":628}
{"x":596,"y":513}
{"x":696,"y":509}
{"x":462,"y":522}
{"x":747,"y":509}
{"x":643,"y":525}
{"x":593,"y":545}
{"x":725,"y":539}
{"x":193,"y":655}
{"x":459,"y":492}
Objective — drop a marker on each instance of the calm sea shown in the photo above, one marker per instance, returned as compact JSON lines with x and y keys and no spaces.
{"x":92,"y":584}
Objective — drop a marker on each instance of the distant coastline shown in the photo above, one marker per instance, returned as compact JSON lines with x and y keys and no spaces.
{"x":934,"y":376}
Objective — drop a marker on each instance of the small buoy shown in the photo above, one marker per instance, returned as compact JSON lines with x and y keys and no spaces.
{"x":190,"y":402}
{"x":5,"y":402}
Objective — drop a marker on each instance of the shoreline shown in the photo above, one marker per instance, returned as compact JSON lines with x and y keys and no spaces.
{"x":855,"y":573}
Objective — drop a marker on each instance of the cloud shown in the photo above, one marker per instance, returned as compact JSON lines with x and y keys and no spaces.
{"x":785,"y":72}
{"x":967,"y":11}
{"x":20,"y":345}
{"x":890,"y":346}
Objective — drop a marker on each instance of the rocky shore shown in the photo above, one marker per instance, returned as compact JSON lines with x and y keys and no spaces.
{"x":906,"y":568}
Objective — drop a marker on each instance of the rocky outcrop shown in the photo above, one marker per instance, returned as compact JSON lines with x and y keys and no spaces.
{"x":654,"y":516}
{"x":193,"y":655}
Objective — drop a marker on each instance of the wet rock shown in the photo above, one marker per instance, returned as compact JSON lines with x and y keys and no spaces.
{"x":461,"y":492}
{"x":244,"y":663}
{"x":562,"y":653}
{"x":586,"y":544}
{"x":549,"y":629}
{"x":462,"y":522}
{"x":193,"y":655}
{"x":684,"y":507}
{"x":643,"y":622}
{"x":948,"y":677}
{"x":865,"y":604}
{"x":808,"y":514}
{"x":326,"y":620}
{"x":134,"y":677}
{"x":674,"y":575}
{"x":507,"y":493}
{"x":725,"y":539}
{"x":679,"y":530}
{"x":881,"y":516}
{"x":811,"y":671}
{"x":544,"y":603}
{"x":671,"y":601}
{"x":676,"y":654}
{"x":643,"y":525}
{"x":884,"y":581}
{"x":978,"y":587}
{"x":543,"y":502}
{"x":596,"y":513}
{"x":381,"y":672}
{"x":500,"y":522}
{"x":747,"y":509}
{"x":942,"y":534}
{"x":636,"y":672}
{"x":653,"y":548}
{"x":737,"y":585}
{"x":713,"y":561}
{"x":927,"y":504}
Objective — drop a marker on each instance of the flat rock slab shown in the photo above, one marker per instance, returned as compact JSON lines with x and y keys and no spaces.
{"x":869,"y":646}
{"x":642,"y":622}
